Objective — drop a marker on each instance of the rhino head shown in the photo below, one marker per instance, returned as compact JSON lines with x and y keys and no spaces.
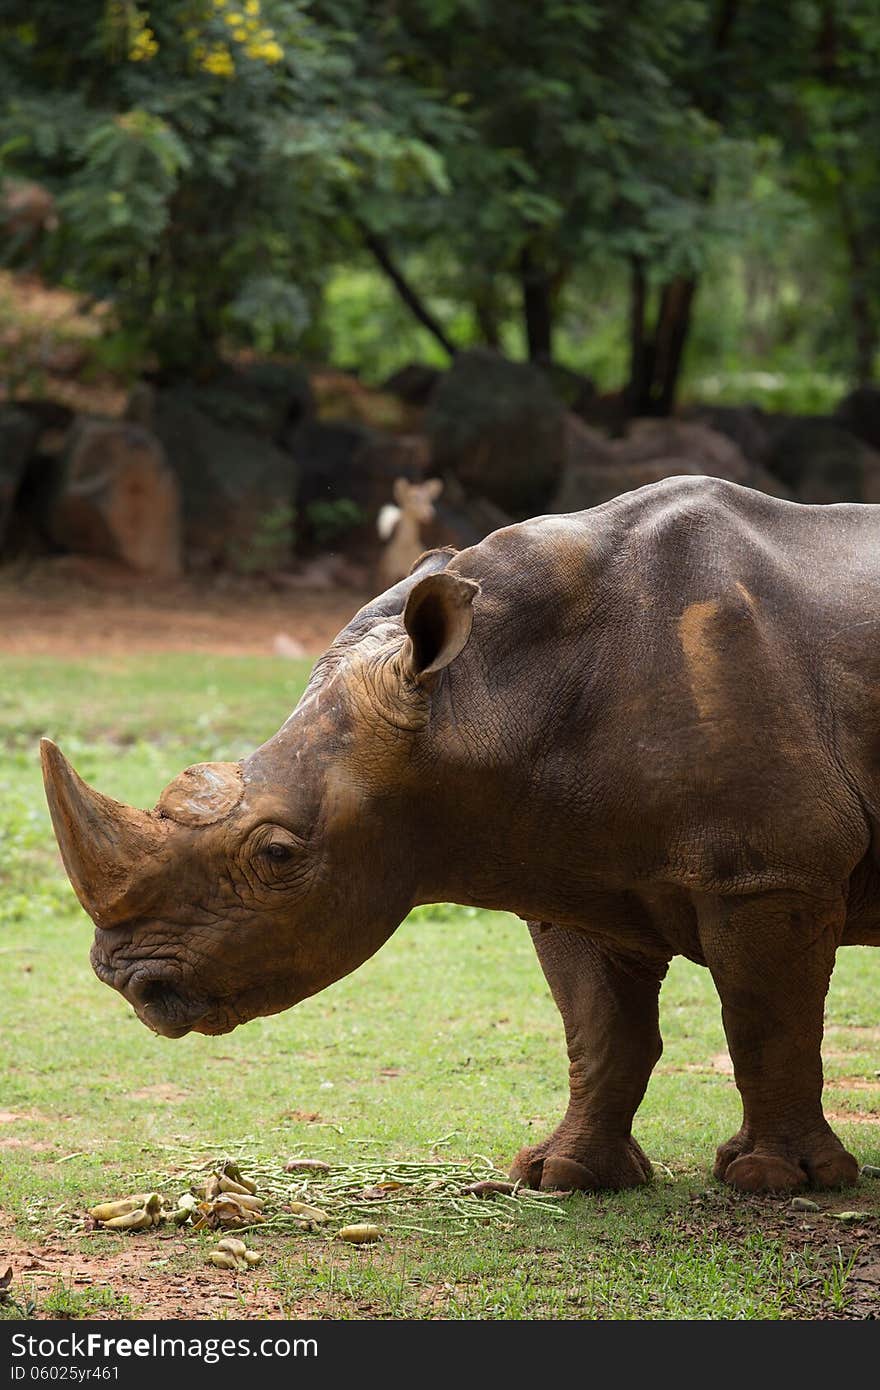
{"x":253,"y":885}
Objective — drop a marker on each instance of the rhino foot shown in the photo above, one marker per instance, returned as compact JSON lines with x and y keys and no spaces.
{"x":819,"y":1160}
{"x":586,"y":1166}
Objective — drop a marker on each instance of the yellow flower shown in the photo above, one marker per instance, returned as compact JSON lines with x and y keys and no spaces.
{"x":239,"y":35}
{"x":234,"y":18}
{"x":219,"y":63}
{"x":269,"y":52}
{"x":252,"y":6}
{"x":143,"y":46}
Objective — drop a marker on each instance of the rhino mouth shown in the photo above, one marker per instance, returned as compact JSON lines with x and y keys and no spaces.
{"x":156,"y":996}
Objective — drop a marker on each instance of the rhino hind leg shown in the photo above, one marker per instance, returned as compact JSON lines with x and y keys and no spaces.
{"x":771,"y":958}
{"x":609,"y":1009}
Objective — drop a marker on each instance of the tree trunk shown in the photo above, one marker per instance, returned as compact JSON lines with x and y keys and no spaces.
{"x":861,"y":307}
{"x":384,"y":259}
{"x":486,"y":316}
{"x":673,"y":325}
{"x":865,"y":324}
{"x":655,"y":360}
{"x":637,"y":390}
{"x":537,"y":292}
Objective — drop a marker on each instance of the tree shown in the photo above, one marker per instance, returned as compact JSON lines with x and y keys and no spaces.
{"x":201,"y":152}
{"x":833,"y":137}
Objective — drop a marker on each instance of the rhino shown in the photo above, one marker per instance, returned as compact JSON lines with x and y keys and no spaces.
{"x":648,"y":729}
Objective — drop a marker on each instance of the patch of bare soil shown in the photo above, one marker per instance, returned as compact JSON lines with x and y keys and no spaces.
{"x":853,"y":1117}
{"x":139,"y":1281}
{"x":841,"y":1260}
{"x":163,"y":1090}
{"x":72,"y":607}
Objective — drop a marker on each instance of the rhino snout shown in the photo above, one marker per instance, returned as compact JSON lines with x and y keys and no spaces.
{"x":158,"y":1003}
{"x":155,"y":994}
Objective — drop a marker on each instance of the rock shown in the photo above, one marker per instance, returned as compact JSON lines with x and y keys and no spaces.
{"x":237,"y":484}
{"x":597,"y":468}
{"x":267,"y":398}
{"x":348,"y":470}
{"x":586,"y":445}
{"x":54,"y":422}
{"x":711,"y":453}
{"x":342,"y":399}
{"x":859,"y":412}
{"x":461,"y":520}
{"x":820,"y":461}
{"x":26,"y":210}
{"x":747,"y":426}
{"x":140,"y":408}
{"x":382,"y":459}
{"x":608,"y":411}
{"x":117,"y":498}
{"x":414,"y":384}
{"x":18,"y":436}
{"x":585,"y":485}
{"x":576,"y":391}
{"x":497,"y":427}
{"x":715,"y":454}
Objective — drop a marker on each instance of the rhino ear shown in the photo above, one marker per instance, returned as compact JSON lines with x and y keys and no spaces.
{"x":438,"y":617}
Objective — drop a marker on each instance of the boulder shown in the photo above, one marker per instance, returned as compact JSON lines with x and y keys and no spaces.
{"x":461,"y":520}
{"x":19,"y":431}
{"x":859,"y":412}
{"x":414,"y":384}
{"x":342,"y":399}
{"x":346,"y":474}
{"x":712,"y":453}
{"x":597,"y":468}
{"x":576,"y":391}
{"x":237,"y":484}
{"x":820,"y":461}
{"x":266,"y":398}
{"x":715,"y":454}
{"x":118,"y":498}
{"x":498,"y":428}
{"x":747,"y":426}
{"x":589,"y":485}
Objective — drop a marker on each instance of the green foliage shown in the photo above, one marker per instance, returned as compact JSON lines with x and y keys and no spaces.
{"x":269,"y":544}
{"x":330,"y":520}
{"x":199,"y":165}
{"x":221,"y":170}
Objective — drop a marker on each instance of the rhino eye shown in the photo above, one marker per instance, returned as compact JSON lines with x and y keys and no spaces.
{"x":277,"y":852}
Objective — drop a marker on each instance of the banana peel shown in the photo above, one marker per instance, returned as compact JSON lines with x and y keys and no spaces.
{"x":234,"y":1254}
{"x":362,"y":1234}
{"x":134,"y":1213}
{"x":307,"y":1213}
{"x":138,"y":1220}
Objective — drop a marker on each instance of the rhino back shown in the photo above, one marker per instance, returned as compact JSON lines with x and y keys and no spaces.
{"x":685,"y":681}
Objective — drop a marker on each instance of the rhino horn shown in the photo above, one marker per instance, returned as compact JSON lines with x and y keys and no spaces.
{"x":103,"y":842}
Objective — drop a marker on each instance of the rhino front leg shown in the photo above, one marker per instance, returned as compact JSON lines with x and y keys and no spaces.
{"x":771,"y":959}
{"x":609,"y":1007}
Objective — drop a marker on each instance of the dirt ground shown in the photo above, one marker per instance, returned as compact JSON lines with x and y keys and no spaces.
{"x":137,"y":1274}
{"x":70,"y":607}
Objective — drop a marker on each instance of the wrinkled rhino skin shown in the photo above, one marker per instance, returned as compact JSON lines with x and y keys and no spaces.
{"x":649,"y":729}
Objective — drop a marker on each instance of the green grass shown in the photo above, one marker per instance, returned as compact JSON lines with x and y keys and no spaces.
{"x":446,"y":1044}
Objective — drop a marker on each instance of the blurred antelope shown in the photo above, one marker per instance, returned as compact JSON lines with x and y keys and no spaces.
{"x":400,"y":527}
